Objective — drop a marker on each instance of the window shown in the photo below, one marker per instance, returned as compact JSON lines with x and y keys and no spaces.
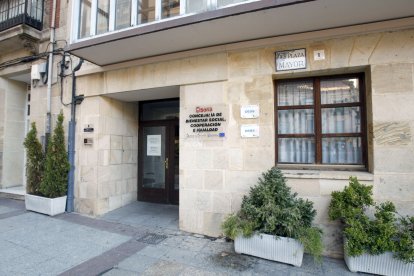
{"x":85,"y":18}
{"x":222,"y":3}
{"x":321,"y":120}
{"x":97,"y":17}
{"x":102,"y":17}
{"x":170,"y":8}
{"x":122,"y":14}
{"x":146,"y":11}
{"x":195,"y":6}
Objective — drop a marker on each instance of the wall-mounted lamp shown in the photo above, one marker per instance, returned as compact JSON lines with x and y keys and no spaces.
{"x":79,"y":99}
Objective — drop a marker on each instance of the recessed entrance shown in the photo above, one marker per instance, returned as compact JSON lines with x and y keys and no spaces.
{"x":158,"y":170}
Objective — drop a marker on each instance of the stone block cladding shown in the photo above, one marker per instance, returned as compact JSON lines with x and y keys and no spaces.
{"x":216,"y":173}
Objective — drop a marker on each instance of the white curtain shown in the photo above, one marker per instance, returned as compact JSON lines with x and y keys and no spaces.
{"x":342,"y":150}
{"x":296,"y":150}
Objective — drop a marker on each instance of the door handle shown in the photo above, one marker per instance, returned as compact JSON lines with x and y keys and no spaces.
{"x":166,"y":163}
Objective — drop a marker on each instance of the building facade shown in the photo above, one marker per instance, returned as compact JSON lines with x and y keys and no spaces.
{"x":188,"y":102}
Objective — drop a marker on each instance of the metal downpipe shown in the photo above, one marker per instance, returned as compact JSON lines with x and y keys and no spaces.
{"x":71,"y":143}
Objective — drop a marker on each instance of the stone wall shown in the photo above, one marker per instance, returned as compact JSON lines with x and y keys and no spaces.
{"x":106,"y":174}
{"x":216,"y":173}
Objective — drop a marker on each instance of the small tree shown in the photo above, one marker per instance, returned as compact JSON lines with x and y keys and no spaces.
{"x":386,"y":231}
{"x":57,"y":166}
{"x":271,"y":208}
{"x":35,"y":161}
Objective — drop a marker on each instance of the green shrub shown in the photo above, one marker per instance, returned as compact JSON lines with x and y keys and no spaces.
{"x":57,"y":166}
{"x":405,"y":237}
{"x":372,"y":235}
{"x":35,"y":161}
{"x":351,"y":202}
{"x":271,"y":208}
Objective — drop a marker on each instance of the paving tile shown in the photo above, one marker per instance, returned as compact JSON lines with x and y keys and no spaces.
{"x":5,"y":209}
{"x":228,"y":262}
{"x":164,"y":268}
{"x":34,"y":244}
{"x":137,"y":263}
{"x":183,"y":257}
{"x":100,"y":224}
{"x":26,"y":264}
{"x":193,"y":244}
{"x":154,"y":251}
{"x":119,"y":272}
{"x":12,"y":203}
{"x":173,"y":241}
{"x":272,"y":268}
{"x":49,"y":267}
{"x":192,"y":271}
{"x":10,"y":251}
{"x":218,"y":247}
{"x":140,"y":214}
{"x":105,"y":261}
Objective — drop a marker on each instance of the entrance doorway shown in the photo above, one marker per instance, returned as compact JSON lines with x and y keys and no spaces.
{"x":158,"y":169}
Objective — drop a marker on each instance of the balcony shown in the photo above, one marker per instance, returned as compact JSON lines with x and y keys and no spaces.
{"x":18,"y":12}
{"x":111,"y":31}
{"x":20,"y":25}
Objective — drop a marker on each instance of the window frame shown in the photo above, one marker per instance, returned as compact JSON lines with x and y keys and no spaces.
{"x":317,"y":107}
{"x":134,"y":16}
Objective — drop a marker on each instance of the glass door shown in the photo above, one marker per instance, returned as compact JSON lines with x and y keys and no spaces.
{"x":158,"y":162}
{"x":158,"y":169}
{"x":154,"y":162}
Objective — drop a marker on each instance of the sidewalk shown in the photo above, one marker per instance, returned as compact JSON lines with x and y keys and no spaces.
{"x":138,"y":239}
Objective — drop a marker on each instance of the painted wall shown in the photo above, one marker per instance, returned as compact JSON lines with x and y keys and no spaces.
{"x":12,"y":123}
{"x":2,"y":113}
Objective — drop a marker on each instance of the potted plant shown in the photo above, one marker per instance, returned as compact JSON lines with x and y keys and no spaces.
{"x":273,"y":223}
{"x":35,"y":161}
{"x":47,"y":177}
{"x":376,"y":239}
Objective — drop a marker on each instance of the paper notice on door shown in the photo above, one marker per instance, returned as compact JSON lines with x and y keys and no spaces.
{"x":153,"y":145}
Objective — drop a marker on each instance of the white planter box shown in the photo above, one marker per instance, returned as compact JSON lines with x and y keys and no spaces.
{"x":44,"y":205}
{"x":384,"y":264}
{"x":284,"y":250}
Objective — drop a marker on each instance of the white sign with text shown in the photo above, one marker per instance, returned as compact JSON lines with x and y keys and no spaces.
{"x":153,"y":145}
{"x":249,"y":111}
{"x":249,"y":131}
{"x":291,"y":60}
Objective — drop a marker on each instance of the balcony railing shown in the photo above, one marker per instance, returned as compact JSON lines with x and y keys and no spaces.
{"x":16,"y":12}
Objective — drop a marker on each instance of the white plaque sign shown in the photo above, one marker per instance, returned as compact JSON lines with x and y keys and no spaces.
{"x":249,"y":111}
{"x":291,"y":60}
{"x":153,"y":145}
{"x":249,"y":131}
{"x":205,"y":121}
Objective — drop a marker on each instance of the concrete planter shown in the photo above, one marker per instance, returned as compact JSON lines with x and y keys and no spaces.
{"x":384,"y":264}
{"x":44,"y":205}
{"x":281,"y":249}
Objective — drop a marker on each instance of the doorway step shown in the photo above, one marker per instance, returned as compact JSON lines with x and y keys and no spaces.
{"x":16,"y":192}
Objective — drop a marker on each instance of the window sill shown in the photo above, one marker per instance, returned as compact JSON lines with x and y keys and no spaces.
{"x":325,"y":174}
